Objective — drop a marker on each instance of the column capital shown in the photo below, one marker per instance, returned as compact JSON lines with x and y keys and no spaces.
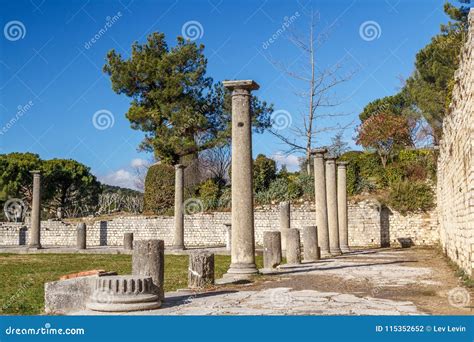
{"x":330,"y":159}
{"x":342,"y":163}
{"x":35,"y":172}
{"x":318,"y":152}
{"x":241,"y":84}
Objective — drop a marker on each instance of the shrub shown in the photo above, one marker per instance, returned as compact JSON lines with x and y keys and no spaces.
{"x":209,"y":192}
{"x":159,"y":189}
{"x":264,"y":172}
{"x":306,"y":184}
{"x":411,"y":196}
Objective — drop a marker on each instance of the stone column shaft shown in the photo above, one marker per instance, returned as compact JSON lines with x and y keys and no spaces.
{"x":243,"y":239}
{"x":320,"y":201}
{"x":148,"y":259}
{"x":81,"y":236}
{"x":311,"y":250}
{"x":342,"y":206}
{"x":35,"y":233}
{"x":178,"y":242}
{"x":285,"y":218}
{"x":293,"y":244}
{"x":228,"y":236}
{"x":331,"y":193}
{"x":271,"y":249}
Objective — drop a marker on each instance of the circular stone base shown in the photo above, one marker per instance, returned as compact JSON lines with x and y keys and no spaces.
{"x":123,"y":294}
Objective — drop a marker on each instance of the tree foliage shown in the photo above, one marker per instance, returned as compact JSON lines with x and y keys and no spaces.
{"x":174,"y":103}
{"x":159,"y":189}
{"x":384,"y":133}
{"x":264,"y":172}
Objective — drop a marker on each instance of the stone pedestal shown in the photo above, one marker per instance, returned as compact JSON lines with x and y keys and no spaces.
{"x":123,"y":294}
{"x":271,"y":250}
{"x":285,"y":211}
{"x":228,"y":236}
{"x":342,"y":206}
{"x":148,"y":259}
{"x":128,"y":241}
{"x":293,"y":247}
{"x":178,"y":242}
{"x":200,"y":270}
{"x":331,"y":193}
{"x":81,"y":231}
{"x":320,"y":199}
{"x":310,"y":244}
{"x":243,"y":239}
{"x":35,"y":233}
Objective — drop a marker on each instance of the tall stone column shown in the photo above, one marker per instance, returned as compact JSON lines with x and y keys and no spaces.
{"x":320,"y":199}
{"x":35,"y":233}
{"x":243,"y":238}
{"x":331,"y":195}
{"x":342,"y":206}
{"x":284,"y":222}
{"x":178,"y":242}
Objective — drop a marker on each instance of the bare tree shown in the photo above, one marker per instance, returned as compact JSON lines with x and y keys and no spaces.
{"x":215,"y":163}
{"x":317,"y":90}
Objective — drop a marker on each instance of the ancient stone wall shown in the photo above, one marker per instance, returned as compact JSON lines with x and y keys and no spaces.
{"x":455,"y":192}
{"x":369,"y":225}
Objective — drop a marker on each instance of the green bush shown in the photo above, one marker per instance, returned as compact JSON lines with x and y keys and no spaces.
{"x":159,"y":189}
{"x":411,"y":196}
{"x":209,"y":192}
{"x":306,"y":184}
{"x":264,"y":172}
{"x":280,"y":189}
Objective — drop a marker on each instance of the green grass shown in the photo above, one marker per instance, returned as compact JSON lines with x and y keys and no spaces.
{"x":22,"y":276}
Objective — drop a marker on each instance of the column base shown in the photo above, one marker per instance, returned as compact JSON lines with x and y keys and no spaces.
{"x":345,"y":249}
{"x":178,"y":248}
{"x":335,"y":251}
{"x":35,"y":247}
{"x":238,"y":272}
{"x":325,"y":254}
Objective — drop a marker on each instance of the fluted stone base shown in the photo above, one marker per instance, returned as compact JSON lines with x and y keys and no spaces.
{"x":123,"y":294}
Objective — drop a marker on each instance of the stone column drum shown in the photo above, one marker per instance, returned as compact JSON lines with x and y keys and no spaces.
{"x":320,"y":199}
{"x":228,"y":236}
{"x":128,"y":241}
{"x":331,"y":194}
{"x":123,"y":294}
{"x":148,"y":259}
{"x":200,"y":270}
{"x":285,"y":210}
{"x":271,"y":249}
{"x":243,"y":238}
{"x":342,"y":206}
{"x":35,"y":234}
{"x":311,"y":251}
{"x":81,"y":231}
{"x":178,"y":242}
{"x":293,"y":247}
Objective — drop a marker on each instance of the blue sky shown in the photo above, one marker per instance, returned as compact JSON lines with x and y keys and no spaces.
{"x":52,"y":84}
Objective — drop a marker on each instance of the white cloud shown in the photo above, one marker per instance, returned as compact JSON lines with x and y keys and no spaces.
{"x":138,"y":162}
{"x":291,"y":161}
{"x":122,"y":178}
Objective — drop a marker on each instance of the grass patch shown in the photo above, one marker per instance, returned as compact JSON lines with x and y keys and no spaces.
{"x":22,"y":276}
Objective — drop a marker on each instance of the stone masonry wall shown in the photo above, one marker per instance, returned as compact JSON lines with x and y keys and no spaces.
{"x":368,"y":226}
{"x":455,"y":190}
